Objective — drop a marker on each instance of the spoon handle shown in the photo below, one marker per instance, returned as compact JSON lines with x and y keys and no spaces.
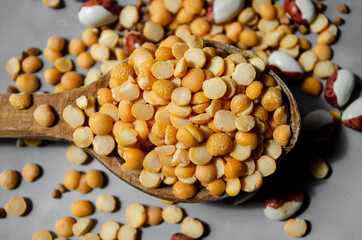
{"x":16,"y":123}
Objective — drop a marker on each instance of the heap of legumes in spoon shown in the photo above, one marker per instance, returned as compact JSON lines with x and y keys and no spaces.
{"x":188,"y":115}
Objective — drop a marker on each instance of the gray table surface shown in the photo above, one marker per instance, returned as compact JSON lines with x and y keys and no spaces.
{"x":333,"y":206}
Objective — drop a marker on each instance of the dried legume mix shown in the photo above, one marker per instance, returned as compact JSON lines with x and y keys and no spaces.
{"x":181,"y":113}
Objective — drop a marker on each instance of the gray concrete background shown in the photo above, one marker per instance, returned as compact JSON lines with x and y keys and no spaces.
{"x":333,"y":206}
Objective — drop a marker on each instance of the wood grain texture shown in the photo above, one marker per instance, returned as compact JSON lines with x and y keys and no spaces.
{"x":20,"y":124}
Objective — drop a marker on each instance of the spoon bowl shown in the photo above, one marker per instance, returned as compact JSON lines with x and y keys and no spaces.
{"x":20,"y":124}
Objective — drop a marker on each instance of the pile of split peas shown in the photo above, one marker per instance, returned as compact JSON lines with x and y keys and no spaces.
{"x":188,"y":115}
{"x":178,"y":112}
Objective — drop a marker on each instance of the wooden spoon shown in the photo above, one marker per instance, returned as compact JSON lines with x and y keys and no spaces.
{"x":20,"y":124}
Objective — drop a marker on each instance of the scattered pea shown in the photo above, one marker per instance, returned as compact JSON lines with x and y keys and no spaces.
{"x":27,"y":82}
{"x":51,"y":3}
{"x":30,"y":172}
{"x":318,"y":168}
{"x":83,"y":137}
{"x":127,"y":232}
{"x":76,"y":46}
{"x":64,"y":226}
{"x":52,"y":75}
{"x":44,"y":115}
{"x":56,"y":43}
{"x":63,"y":64}
{"x":106,"y":203}
{"x":13,"y":66}
{"x":85,"y":60}
{"x":81,"y":208}
{"x":295,"y":227}
{"x":42,"y":235}
{"x":94,"y":178}
{"x":153,"y":215}
{"x":192,"y":227}
{"x":90,"y":36}
{"x":8,"y":179}
{"x":76,"y":155}
{"x":109,"y":230}
{"x":91,"y":236}
{"x":16,"y":206}
{"x":71,"y":179}
{"x":184,"y":190}
{"x":73,"y":116}
{"x":51,"y":55}
{"x":20,"y":100}
{"x":82,"y":226}
{"x":99,"y":52}
{"x":312,"y":86}
{"x":31,"y":64}
{"x":83,"y":186}
{"x":136,"y":215}
{"x":71,"y":80}
{"x":172,"y":214}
